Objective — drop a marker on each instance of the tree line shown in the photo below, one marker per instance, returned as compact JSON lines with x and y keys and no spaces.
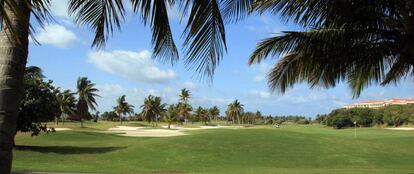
{"x":392,"y":115}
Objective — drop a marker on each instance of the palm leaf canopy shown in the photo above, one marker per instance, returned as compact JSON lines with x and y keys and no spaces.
{"x":357,"y":42}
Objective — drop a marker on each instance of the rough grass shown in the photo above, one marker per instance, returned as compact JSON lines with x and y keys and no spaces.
{"x":290,"y":149}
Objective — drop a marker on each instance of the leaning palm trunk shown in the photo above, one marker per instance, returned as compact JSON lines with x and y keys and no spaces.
{"x":120,"y":118}
{"x":13,"y":57}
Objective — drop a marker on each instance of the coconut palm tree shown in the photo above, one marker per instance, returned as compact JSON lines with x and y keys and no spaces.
{"x":67,"y":103}
{"x":184,"y":110}
{"x":204,"y":42}
{"x":153,"y":108}
{"x":371,"y":45}
{"x":147,"y":109}
{"x":123,"y":107}
{"x":185,"y":95}
{"x":214,"y":113}
{"x":235,"y":110}
{"x":170,"y":115}
{"x":87,"y":94}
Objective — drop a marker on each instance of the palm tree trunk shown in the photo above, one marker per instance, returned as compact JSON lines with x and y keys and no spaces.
{"x":13,"y":58}
{"x":120,"y":118}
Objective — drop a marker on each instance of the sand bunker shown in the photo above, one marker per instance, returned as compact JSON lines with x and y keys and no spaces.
{"x":59,"y":129}
{"x":148,"y":132}
{"x":401,"y":128}
{"x":144,"y":132}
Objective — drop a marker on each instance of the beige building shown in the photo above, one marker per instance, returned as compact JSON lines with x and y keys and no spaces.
{"x":380,"y":103}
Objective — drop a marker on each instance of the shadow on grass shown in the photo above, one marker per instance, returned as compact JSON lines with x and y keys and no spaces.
{"x":67,"y":149}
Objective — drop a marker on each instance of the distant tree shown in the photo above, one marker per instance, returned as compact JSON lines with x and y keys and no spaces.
{"x":184,"y":110}
{"x":87,"y":94}
{"x":214,"y":113}
{"x":235,"y":110}
{"x":123,"y":107}
{"x":170,"y":115}
{"x":152,"y":108}
{"x":109,"y":115}
{"x":67,"y":103}
{"x":201,"y":114}
{"x":38,"y":103}
{"x":185,"y":95}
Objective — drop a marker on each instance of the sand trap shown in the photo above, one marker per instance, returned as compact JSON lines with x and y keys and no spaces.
{"x":144,"y":132}
{"x":148,"y":132}
{"x":125,"y":128}
{"x":401,"y":128}
{"x":59,"y":129}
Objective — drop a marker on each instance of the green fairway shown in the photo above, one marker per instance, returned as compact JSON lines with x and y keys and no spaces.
{"x":290,"y":149}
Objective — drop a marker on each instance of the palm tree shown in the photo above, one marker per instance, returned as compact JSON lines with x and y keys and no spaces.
{"x":185,"y":95}
{"x":170,"y":115}
{"x":87,"y":94}
{"x":153,"y":108}
{"x":235,"y":110}
{"x":67,"y":103}
{"x":184,"y":110}
{"x":123,"y":107}
{"x":202,"y":115}
{"x":204,"y":42}
{"x":214,"y":112}
{"x":371,"y":45}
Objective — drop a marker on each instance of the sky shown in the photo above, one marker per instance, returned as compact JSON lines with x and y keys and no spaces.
{"x":125,"y":66}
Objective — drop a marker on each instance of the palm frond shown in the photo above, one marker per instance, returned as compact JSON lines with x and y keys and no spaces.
{"x":102,"y":16}
{"x":205,"y":40}
{"x":155,"y":13}
{"x":236,"y":10}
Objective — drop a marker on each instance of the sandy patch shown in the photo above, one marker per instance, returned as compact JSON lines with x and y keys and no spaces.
{"x":144,"y":132}
{"x":401,"y":128}
{"x":148,"y":132}
{"x":59,"y":129}
{"x":125,"y":128}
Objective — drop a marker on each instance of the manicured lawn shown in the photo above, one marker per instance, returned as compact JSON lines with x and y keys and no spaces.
{"x":290,"y":149}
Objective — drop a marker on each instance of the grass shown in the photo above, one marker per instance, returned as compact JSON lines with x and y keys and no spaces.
{"x":290,"y":149}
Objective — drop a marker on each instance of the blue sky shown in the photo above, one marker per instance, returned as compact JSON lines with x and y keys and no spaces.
{"x":125,"y":67}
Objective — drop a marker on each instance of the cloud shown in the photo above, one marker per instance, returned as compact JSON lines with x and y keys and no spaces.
{"x":261,"y":69}
{"x":190,"y":85}
{"x":265,"y":24}
{"x":59,"y":8}
{"x":135,"y":66}
{"x":261,"y":94}
{"x":56,"y":35}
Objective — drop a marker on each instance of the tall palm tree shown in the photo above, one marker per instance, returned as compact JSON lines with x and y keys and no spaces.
{"x":184,"y":110}
{"x":185,"y":95}
{"x":204,"y":42}
{"x":67,"y":103}
{"x":214,"y":112}
{"x":359,"y":42}
{"x":153,"y":108}
{"x":87,"y":94}
{"x":123,"y":107}
{"x":170,"y":115}
{"x":235,"y":110}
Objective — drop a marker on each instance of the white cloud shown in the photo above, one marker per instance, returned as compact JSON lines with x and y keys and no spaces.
{"x":261,"y":69}
{"x":59,"y":8}
{"x":261,"y":94}
{"x":265,"y":24}
{"x":190,"y":85}
{"x":135,"y":66}
{"x":56,"y":35}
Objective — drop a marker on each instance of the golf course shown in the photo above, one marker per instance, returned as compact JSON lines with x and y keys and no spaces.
{"x":292,"y":148}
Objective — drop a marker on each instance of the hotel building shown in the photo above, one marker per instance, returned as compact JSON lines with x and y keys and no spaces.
{"x":380,"y":103}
